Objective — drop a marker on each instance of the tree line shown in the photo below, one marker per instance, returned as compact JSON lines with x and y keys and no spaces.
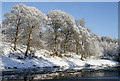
{"x":56,"y":31}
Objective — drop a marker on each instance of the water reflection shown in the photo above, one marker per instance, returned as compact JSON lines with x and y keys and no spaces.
{"x":60,"y":73}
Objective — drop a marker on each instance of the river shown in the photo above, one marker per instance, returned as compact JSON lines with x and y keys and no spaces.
{"x":63,"y":74}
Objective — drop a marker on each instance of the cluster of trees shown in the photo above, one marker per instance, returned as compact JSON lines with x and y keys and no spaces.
{"x":56,"y":31}
{"x":110,"y":47}
{"x":24,"y":20}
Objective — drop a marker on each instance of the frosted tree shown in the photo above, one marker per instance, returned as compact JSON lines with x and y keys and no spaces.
{"x":89,"y":29}
{"x":66,"y":33}
{"x":34,"y":18}
{"x":91,"y":43}
{"x":80,"y":22}
{"x":0,"y":24}
{"x":85,"y":41}
{"x":59,"y":21}
{"x":68,"y":30}
{"x":48,"y":38}
{"x":9,"y":33}
{"x":80,"y":37}
{"x":77,"y":22}
{"x":80,"y":43}
{"x":35,"y":41}
{"x":76,"y":38}
{"x":110,"y":47}
{"x":15,"y":19}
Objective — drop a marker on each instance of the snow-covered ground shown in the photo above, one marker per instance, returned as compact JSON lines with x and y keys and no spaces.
{"x":43,"y":58}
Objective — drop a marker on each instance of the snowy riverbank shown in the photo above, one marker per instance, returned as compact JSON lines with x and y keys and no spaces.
{"x":43,"y":58}
{"x":12,"y":62}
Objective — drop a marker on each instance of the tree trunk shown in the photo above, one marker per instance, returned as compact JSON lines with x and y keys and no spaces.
{"x":77,"y":47}
{"x":29,"y":42}
{"x":81,"y":51}
{"x":56,"y":43}
{"x":65,"y":47}
{"x":16,"y":37}
{"x":66,"y":41}
{"x":65,"y":44}
{"x":119,"y":56}
{"x":82,"y":55}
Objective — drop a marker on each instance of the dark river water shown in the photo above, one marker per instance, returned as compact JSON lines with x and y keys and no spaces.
{"x":62,"y":74}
